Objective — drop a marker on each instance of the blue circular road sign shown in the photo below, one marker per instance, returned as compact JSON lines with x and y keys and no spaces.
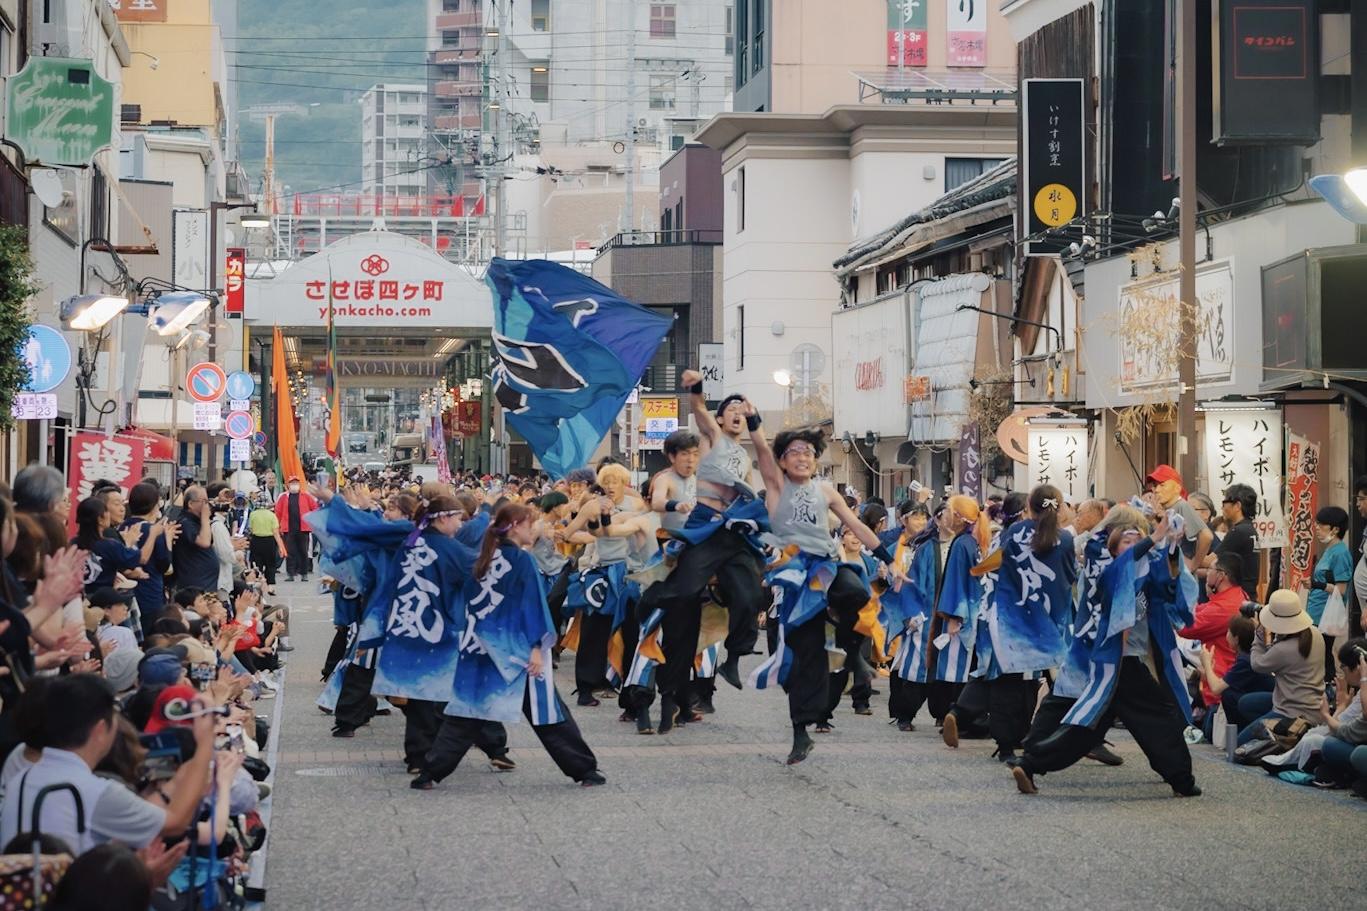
{"x":48,"y":356}
{"x":241,"y":385}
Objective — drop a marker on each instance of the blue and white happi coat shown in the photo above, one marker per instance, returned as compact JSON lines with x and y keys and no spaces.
{"x":987,"y":667}
{"x":1033,"y":606}
{"x":641,"y":671}
{"x":799,"y":585}
{"x":1141,"y":572}
{"x":505,"y":617}
{"x":1073,"y":673}
{"x":907,"y":613}
{"x":961,"y":597}
{"x":747,"y":516}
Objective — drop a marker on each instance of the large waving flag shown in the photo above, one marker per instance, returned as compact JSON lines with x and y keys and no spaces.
{"x":570,"y":352}
{"x":288,"y":463}
{"x":333,"y":443}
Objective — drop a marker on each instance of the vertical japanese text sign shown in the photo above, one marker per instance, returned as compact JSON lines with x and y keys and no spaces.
{"x":1245,"y":447}
{"x":970,"y":461}
{"x":1058,"y":456}
{"x":234,"y":280}
{"x":966,"y":30}
{"x":907,"y":32}
{"x":1302,"y":472}
{"x":96,"y":457}
{"x":1053,"y":188}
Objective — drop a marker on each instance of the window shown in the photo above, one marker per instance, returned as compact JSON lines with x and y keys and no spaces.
{"x":541,"y":83}
{"x":740,"y":337}
{"x":740,"y":200}
{"x":541,"y":15}
{"x":667,"y":221}
{"x":450,"y":6}
{"x":742,"y":65}
{"x":99,"y":204}
{"x":662,"y":20}
{"x":662,"y":90}
{"x":757,"y":42}
{"x":676,"y":142}
{"x":678,"y":214}
{"x":731,"y":30}
{"x":959,"y":171}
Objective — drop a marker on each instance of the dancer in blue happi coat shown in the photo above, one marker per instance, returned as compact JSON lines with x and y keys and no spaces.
{"x":935,"y":617}
{"x":811,"y":587}
{"x":1146,"y":594}
{"x":1031,"y":616}
{"x":503,"y":668}
{"x":968,"y":716}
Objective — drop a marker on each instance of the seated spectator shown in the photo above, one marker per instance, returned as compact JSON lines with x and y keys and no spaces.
{"x":1288,"y":646}
{"x":1240,"y":678}
{"x":109,"y":877}
{"x":78,"y":731}
{"x":1211,"y":624}
{"x":106,"y":557}
{"x":1343,"y":753}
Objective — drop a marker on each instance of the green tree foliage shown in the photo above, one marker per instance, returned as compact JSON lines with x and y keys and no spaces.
{"x":16,"y":287}
{"x":333,"y":53}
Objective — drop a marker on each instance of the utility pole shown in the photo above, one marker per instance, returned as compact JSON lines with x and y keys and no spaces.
{"x":1187,"y":312}
{"x":629,"y":210}
{"x":502,"y":144}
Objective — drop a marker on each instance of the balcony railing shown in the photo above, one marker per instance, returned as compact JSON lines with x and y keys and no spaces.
{"x":662,"y":238}
{"x":447,"y":89}
{"x":375,"y":204}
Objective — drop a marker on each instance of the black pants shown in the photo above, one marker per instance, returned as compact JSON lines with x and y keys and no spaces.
{"x":809,"y":677}
{"x":1010,"y":705}
{"x":905,"y":698}
{"x":1149,"y":714}
{"x":562,"y":742}
{"x":264,"y":554}
{"x":555,"y":597}
{"x":1047,"y":719}
{"x":422,"y":720}
{"x":970,"y":709}
{"x":297,"y":556}
{"x":855,"y":666}
{"x":337,"y":650}
{"x":355,"y":705}
{"x":591,"y":659}
{"x":727,"y":557}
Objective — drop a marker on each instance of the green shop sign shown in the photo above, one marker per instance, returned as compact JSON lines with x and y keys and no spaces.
{"x":60,"y":111}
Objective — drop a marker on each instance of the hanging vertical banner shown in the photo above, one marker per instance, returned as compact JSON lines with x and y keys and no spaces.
{"x":1245,"y":447}
{"x":907,"y":32}
{"x":967,"y":30}
{"x":1053,"y":191}
{"x":438,"y":436}
{"x":234,"y":281}
{"x":970,"y":461}
{"x":1058,"y":456}
{"x":96,"y":457}
{"x":1302,"y":470}
{"x":1267,"y":72}
{"x":713,"y":369}
{"x":190,"y":248}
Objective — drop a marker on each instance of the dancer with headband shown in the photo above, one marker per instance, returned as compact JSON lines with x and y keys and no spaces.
{"x":503,"y":668}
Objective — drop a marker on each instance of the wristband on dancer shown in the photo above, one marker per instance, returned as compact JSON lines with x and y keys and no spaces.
{"x":696,"y":388}
{"x":752,"y":422}
{"x":671,"y":505}
{"x":883,"y":555}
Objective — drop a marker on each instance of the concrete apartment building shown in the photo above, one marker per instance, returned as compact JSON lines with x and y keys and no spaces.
{"x":392,"y":140}
{"x":830,"y":142}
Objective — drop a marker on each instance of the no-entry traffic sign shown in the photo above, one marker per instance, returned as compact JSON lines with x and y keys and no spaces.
{"x":205,"y":382}
{"x":239,"y":425}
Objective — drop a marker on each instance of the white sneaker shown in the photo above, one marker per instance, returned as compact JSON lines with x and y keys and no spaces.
{"x":268,"y":683}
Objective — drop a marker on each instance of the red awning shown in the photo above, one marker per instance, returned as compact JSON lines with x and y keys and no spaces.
{"x":156,"y":447}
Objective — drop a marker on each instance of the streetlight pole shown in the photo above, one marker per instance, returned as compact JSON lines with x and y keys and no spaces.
{"x":1187,"y":311}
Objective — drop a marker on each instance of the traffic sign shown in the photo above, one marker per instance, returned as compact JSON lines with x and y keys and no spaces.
{"x":208,"y":416}
{"x":205,"y":382}
{"x":239,"y":425}
{"x":48,"y":356}
{"x":240,"y":451}
{"x":259,"y":438}
{"x":240,"y":385}
{"x":35,"y":406}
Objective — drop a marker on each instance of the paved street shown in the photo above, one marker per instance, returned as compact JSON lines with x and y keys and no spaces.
{"x":709,"y":817}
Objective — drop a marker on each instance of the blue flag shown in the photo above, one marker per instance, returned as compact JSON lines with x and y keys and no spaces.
{"x":570,"y":352}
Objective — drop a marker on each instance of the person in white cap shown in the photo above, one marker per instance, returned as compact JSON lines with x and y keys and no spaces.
{"x":1287,"y":645}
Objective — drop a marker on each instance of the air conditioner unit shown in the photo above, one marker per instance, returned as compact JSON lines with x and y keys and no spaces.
{"x":59,"y":24}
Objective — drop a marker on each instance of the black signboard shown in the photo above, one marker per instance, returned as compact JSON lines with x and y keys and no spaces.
{"x":1053,"y":185}
{"x":1267,"y":72}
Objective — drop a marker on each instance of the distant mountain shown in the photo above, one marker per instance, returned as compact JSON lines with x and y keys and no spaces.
{"x":320,"y":56}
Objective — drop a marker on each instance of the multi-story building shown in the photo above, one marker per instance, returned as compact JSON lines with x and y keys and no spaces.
{"x":809,"y":170}
{"x":393,"y":140}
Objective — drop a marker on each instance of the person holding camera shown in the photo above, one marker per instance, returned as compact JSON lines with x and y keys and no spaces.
{"x":1288,"y":646}
{"x":79,"y":729}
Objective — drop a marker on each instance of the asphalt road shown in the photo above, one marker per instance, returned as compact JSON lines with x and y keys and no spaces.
{"x":710,"y":817}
